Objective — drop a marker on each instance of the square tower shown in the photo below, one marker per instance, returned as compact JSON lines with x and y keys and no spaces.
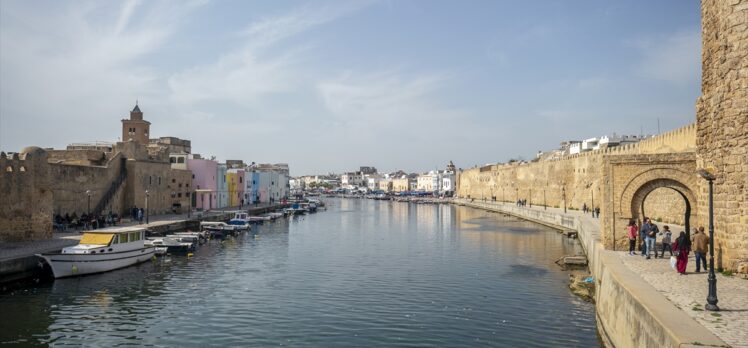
{"x":136,"y":128}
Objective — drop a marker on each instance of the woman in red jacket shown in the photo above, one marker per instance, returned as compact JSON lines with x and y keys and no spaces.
{"x":682,"y":245}
{"x":632,"y":231}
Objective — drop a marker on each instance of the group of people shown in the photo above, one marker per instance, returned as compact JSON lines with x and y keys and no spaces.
{"x":85,"y":221}
{"x":521,"y":202}
{"x":137,"y":214}
{"x":595,"y":212}
{"x":680,"y":248}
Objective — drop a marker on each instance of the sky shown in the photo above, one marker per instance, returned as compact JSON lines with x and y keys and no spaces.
{"x":328,"y":86}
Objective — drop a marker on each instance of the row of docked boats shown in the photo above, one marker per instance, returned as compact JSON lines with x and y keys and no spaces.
{"x":118,"y":247}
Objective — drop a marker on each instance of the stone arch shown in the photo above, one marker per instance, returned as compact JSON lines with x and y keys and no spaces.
{"x":631,"y":204}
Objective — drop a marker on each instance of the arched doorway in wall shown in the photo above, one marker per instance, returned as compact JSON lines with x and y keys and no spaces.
{"x":662,"y":185}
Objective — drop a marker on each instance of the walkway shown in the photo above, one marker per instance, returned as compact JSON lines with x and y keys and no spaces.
{"x":689,"y":292}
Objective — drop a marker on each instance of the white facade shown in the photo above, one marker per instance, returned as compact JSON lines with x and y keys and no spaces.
{"x":448,"y":183}
{"x":575,"y":148}
{"x":352,"y":179}
{"x":590,"y":144}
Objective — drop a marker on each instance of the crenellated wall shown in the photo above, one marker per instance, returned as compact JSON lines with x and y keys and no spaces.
{"x":25,"y":198}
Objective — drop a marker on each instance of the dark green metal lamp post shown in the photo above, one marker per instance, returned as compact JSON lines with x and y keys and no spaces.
{"x":711,"y":298}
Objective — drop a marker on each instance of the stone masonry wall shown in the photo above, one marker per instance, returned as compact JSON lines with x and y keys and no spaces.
{"x":72,"y":181}
{"x":25,"y":200}
{"x":722,"y":118}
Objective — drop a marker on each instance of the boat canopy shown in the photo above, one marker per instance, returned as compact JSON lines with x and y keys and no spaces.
{"x":97,"y":238}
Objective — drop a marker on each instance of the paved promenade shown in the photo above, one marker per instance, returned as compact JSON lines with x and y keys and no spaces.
{"x":688,"y":293}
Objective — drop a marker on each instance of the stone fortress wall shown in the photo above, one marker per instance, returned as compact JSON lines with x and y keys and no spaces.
{"x":25,"y":197}
{"x":578,"y":177}
{"x":722,"y":119}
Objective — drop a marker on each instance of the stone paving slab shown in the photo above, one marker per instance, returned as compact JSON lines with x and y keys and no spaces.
{"x":22,"y":249}
{"x":688,"y":292}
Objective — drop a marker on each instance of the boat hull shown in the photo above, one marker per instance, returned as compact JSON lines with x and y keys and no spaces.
{"x":72,"y":265}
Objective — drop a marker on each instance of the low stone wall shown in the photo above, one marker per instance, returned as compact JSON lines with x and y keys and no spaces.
{"x":630,"y":312}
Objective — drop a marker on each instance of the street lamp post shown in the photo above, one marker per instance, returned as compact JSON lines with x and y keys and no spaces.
{"x":531,"y":197}
{"x":146,"y":207}
{"x":88,"y":211}
{"x":563,"y":192}
{"x":711,"y":298}
{"x":545,"y":204}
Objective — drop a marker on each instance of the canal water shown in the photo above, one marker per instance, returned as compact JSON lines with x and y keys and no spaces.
{"x":361,"y":274}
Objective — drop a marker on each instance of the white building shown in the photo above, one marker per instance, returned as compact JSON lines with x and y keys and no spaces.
{"x":352,"y":180}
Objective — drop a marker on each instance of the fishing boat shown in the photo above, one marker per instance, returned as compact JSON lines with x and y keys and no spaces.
{"x":240,"y":221}
{"x":258,"y":219}
{"x":217,"y":229}
{"x":295,"y":209}
{"x":173,"y":244}
{"x":100,"y":251}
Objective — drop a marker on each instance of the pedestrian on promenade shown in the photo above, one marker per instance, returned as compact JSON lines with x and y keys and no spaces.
{"x":651,"y":239}
{"x":700,"y":245}
{"x":140,"y":215}
{"x":631,"y":231}
{"x":597,"y":212}
{"x":643,"y":234}
{"x":682,"y":247}
{"x":667,"y":241}
{"x":584,"y":208}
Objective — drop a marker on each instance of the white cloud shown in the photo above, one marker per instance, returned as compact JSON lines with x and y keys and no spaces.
{"x":86,"y":57}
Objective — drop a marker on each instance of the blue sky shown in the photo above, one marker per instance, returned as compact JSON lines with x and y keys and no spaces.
{"x":328,"y":86}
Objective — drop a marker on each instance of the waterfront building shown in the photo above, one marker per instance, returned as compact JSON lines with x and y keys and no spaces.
{"x":222,"y":187}
{"x":204,"y":173}
{"x":352,"y":180}
{"x":235,"y":180}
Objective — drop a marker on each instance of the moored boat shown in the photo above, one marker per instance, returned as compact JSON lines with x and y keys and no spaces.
{"x":100,"y":251}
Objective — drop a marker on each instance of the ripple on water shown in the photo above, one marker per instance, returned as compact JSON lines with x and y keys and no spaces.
{"x":364,"y":273}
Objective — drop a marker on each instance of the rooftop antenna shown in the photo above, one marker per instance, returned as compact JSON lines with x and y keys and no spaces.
{"x":658,"y":125}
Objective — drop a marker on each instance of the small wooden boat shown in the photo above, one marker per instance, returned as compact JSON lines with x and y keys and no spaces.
{"x":101,"y":251}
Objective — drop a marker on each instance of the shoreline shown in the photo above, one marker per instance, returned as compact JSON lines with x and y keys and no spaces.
{"x":629,"y":311}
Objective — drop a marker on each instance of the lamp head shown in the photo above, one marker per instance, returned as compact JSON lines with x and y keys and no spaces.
{"x":707,"y":174}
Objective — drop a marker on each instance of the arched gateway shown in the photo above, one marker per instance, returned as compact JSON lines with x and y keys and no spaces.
{"x":632,"y":179}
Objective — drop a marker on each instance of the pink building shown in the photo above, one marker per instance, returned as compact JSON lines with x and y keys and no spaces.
{"x":204,"y":181}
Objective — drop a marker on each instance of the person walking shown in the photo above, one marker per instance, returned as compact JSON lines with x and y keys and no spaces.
{"x":651,"y":239}
{"x":140,"y":215}
{"x":700,"y":247}
{"x":682,"y":247}
{"x":667,"y":241}
{"x":643,"y":234}
{"x":631,"y":232}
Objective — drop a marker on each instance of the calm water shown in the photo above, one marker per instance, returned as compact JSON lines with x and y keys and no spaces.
{"x":362,"y":274}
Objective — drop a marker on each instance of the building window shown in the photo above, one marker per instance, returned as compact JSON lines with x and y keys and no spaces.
{"x":9,"y":169}
{"x":241,"y":179}
{"x":172,"y":160}
{"x":180,"y":184}
{"x":193,"y":176}
{"x":175,"y":180}
{"x":150,"y":180}
{"x":159,"y":180}
{"x":179,"y":195}
{"x":180,"y":159}
{"x":224,"y":178}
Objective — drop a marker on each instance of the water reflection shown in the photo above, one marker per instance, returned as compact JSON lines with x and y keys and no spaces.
{"x":363,"y":273}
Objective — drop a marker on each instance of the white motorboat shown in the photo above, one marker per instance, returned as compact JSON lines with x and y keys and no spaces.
{"x":240,"y":221}
{"x":259,"y":219}
{"x":173,"y":244}
{"x":217,"y":229}
{"x":100,"y":251}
